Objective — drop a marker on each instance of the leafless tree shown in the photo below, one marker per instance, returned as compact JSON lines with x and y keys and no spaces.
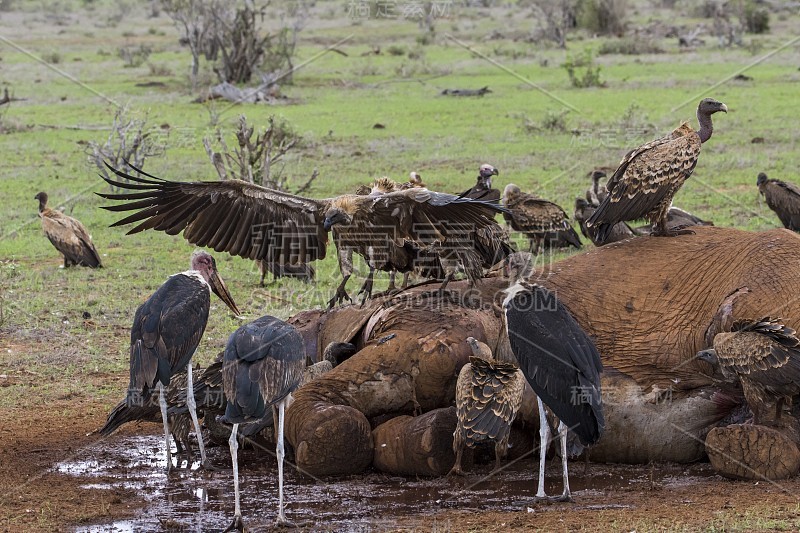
{"x":556,"y":18}
{"x":127,"y":142}
{"x":256,"y":160}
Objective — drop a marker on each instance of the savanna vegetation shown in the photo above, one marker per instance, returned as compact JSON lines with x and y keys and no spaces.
{"x":574,"y":85}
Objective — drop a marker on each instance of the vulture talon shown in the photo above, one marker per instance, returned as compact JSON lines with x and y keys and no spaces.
{"x":339,"y":297}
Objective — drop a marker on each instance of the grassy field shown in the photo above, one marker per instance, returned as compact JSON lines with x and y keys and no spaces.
{"x":58,"y":326}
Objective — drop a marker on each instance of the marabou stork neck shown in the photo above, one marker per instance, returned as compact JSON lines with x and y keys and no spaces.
{"x":166,"y":331}
{"x":561,"y":364}
{"x":264,"y":362}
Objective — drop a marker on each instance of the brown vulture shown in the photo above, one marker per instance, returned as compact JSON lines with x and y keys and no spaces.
{"x":783,"y":198}
{"x":68,"y":236}
{"x":414,"y":180}
{"x":542,"y":222}
{"x":583,"y":210}
{"x":254,"y":222}
{"x":482,"y":190}
{"x":765,"y":355}
{"x":488,"y":397}
{"x":649,"y":176}
{"x":677,"y":218}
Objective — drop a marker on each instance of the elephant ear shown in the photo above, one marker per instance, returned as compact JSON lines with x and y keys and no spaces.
{"x":723,"y":320}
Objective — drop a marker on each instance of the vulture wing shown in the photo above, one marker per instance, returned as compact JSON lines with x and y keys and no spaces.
{"x":264,"y":362}
{"x":229,"y":216}
{"x":489,"y":399}
{"x":558,"y":358}
{"x":647,"y":176}
{"x":784,"y":199}
{"x":166,"y":331}
{"x":70,"y":238}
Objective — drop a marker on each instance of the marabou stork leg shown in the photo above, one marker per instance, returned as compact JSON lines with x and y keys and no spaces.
{"x":192,"y":405}
{"x":162,"y":402}
{"x":340,"y":295}
{"x":366,"y":288}
{"x":279,"y":451}
{"x":544,"y":443}
{"x":236,"y":524}
{"x":566,"y":495}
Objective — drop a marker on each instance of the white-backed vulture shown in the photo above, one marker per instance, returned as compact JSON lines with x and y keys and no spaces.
{"x":68,"y":236}
{"x":537,"y":218}
{"x":649,"y":176}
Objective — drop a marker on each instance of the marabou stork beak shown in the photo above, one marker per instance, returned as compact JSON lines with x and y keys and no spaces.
{"x":221,"y":290}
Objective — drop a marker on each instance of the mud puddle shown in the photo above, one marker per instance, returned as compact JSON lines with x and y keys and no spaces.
{"x":190,"y":499}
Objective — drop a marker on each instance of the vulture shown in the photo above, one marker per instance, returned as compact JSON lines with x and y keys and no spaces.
{"x":254,"y":222}
{"x":68,"y":235}
{"x":649,"y":176}
{"x":597,"y":192}
{"x":765,"y":356}
{"x":414,"y":180}
{"x":562,"y":366}
{"x":264,"y":362}
{"x":783,"y":198}
{"x":584,"y":210}
{"x":677,"y":218}
{"x":488,"y":397}
{"x":541,"y":221}
{"x":166,"y":331}
{"x":207,"y":393}
{"x":482,"y":190}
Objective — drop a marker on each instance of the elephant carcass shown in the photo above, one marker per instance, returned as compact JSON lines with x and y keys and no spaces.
{"x":649,"y":304}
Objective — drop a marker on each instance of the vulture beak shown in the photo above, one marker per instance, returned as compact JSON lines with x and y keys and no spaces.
{"x":709,"y":356}
{"x":221,"y":290}
{"x":332,"y":219}
{"x":495,"y":172}
{"x":328,"y":224}
{"x":724,"y":108}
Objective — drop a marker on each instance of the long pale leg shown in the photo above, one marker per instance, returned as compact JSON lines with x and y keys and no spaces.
{"x":280,"y":453}
{"x":237,"y":523}
{"x":566,"y":495}
{"x":544,"y":443}
{"x":162,"y":402}
{"x":192,"y":405}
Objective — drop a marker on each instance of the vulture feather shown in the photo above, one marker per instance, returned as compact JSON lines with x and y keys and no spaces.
{"x":482,"y":190}
{"x":540,"y":220}
{"x":783,"y":198}
{"x":584,"y":210}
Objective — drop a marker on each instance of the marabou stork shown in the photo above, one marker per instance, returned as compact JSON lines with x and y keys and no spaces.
{"x":166,"y":331}
{"x":561,"y":364}
{"x":264,"y":362}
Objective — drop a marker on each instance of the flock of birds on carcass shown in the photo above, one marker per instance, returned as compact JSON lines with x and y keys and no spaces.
{"x":405,"y":228}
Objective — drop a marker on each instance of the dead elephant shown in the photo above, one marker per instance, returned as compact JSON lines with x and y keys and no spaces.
{"x":649,"y":303}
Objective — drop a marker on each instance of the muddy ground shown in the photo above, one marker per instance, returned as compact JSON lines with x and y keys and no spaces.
{"x":55,"y":476}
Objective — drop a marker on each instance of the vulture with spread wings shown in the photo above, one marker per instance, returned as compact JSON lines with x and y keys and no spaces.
{"x":649,"y":176}
{"x":258,"y":223}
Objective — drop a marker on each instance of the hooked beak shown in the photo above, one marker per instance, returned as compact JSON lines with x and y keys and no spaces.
{"x":709,"y":356}
{"x":724,"y":108}
{"x":495,"y":172}
{"x":327,"y":224}
{"x":221,"y":290}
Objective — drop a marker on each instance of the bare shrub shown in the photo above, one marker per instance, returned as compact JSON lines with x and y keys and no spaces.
{"x":555,"y":18}
{"x":256,"y":160}
{"x":134,"y":56}
{"x":128,"y":142}
{"x":605,"y":17}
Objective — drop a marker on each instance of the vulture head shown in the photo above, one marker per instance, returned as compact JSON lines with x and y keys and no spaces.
{"x":597,"y":175}
{"x":581,"y":208}
{"x":203,"y":263}
{"x":337,"y":352}
{"x":485,"y":174}
{"x":479,"y":349}
{"x":519,"y":266}
{"x":762,"y":180}
{"x":340,"y":212}
{"x":415,"y":179}
{"x":709,"y":106}
{"x":510,"y":193}
{"x":42,"y":197}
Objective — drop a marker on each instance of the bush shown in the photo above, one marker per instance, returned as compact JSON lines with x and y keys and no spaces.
{"x":630,"y":46}
{"x":582,"y":71}
{"x":605,"y":17}
{"x":395,"y":50}
{"x":134,"y":56}
{"x":755,"y":19}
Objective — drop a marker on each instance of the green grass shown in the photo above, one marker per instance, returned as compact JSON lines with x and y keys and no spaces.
{"x":334,"y":103}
